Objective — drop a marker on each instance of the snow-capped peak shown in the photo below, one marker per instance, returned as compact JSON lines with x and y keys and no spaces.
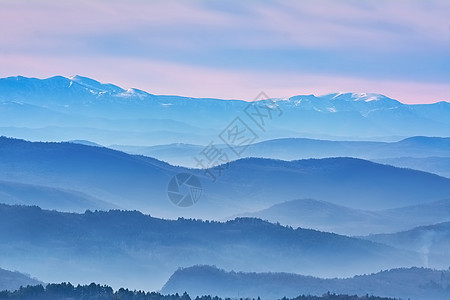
{"x":134,"y":93}
{"x":366,"y":97}
{"x":92,"y":84}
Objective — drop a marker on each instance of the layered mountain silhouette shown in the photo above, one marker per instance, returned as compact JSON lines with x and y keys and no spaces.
{"x":50,"y":198}
{"x":412,"y":283}
{"x":429,"y":154}
{"x":128,"y":248}
{"x":138,"y":182}
{"x":54,"y":109}
{"x":363,"y":165}
{"x":436,"y":165}
{"x":326,"y":216}
{"x":431,"y":240}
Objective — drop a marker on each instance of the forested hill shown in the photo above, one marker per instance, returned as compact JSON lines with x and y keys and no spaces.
{"x":104,"y":245}
{"x":66,"y":291}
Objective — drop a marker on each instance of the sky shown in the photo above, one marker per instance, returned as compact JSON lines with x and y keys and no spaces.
{"x":235,"y":49}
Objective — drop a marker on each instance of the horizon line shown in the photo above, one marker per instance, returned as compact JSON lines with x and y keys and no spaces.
{"x":218,"y":98}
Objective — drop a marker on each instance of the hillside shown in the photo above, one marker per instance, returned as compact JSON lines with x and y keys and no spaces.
{"x":429,"y":241}
{"x":436,"y":165}
{"x":326,"y":216}
{"x":413,"y":283}
{"x":49,"y":198}
{"x":137,"y":182}
{"x":13,"y":280}
{"x":67,"y":291}
{"x":128,"y":248}
{"x":430,"y":154}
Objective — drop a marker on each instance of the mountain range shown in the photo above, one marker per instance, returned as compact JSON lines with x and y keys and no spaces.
{"x":127,"y":181}
{"x":128,"y":248}
{"x":429,"y":154}
{"x":60,"y":108}
{"x":326,"y":216}
{"x":327,"y":186}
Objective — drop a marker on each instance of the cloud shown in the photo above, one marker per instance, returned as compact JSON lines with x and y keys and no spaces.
{"x":277,"y":42}
{"x":159,"y":77}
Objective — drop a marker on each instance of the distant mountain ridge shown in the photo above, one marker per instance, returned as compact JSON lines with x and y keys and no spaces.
{"x":55,"y":196}
{"x":49,"y":198}
{"x":62,"y":103}
{"x":326,"y":216}
{"x":413,"y":283}
{"x":138,"y":182}
{"x":428,"y":239}
{"x":412,"y":152}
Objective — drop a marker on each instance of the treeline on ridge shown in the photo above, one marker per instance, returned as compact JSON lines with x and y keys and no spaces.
{"x":66,"y":291}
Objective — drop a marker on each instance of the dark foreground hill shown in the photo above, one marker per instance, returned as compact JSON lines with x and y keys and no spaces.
{"x":413,"y":283}
{"x":128,"y":248}
{"x":67,"y":291}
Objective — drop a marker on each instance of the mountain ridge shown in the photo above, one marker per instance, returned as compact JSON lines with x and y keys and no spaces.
{"x":330,"y":217}
{"x":128,"y":248}
{"x":411,"y":283}
{"x":245,"y":185}
{"x":109,"y":87}
{"x":425,"y":239}
{"x":13,"y":280}
{"x":332,"y":115}
{"x":427,"y":154}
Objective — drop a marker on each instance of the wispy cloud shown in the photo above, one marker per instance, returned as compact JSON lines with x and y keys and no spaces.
{"x":234,"y":49}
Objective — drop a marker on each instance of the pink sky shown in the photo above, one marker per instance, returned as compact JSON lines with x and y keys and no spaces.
{"x":227,"y":49}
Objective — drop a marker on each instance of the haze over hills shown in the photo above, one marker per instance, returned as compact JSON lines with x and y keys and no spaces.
{"x":436,"y":165}
{"x":13,"y":280}
{"x":326,"y":216}
{"x":127,"y":248}
{"x":429,"y":154}
{"x":338,"y":190}
{"x":413,"y":283}
{"x":115,"y":177}
{"x":137,"y":182}
{"x":112,"y":115}
{"x":346,"y":181}
{"x":50,"y":198}
{"x":431,"y":239}
{"x":246,"y":150}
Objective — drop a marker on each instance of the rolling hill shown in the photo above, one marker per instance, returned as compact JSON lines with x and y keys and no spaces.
{"x":431,"y":240}
{"x":428,"y":154}
{"x":49,"y":198}
{"x":413,"y":283}
{"x":13,"y":280}
{"x":436,"y":165}
{"x":128,"y":248}
{"x":138,"y":182}
{"x":326,"y":216}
